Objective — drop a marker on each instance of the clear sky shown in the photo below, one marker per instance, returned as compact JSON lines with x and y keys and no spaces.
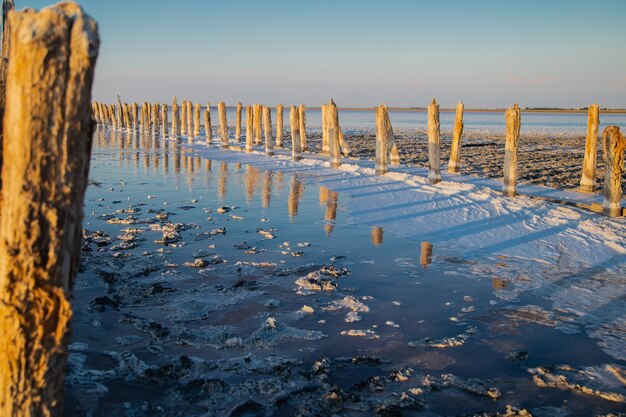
{"x":565,"y":53}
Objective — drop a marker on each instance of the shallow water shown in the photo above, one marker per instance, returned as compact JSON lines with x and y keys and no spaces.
{"x":411,"y":297}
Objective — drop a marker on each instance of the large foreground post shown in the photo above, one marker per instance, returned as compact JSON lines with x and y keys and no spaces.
{"x":513,"y":122}
{"x":47,"y":146}
{"x":221,"y":110}
{"x":588,"y":179}
{"x":434,"y":144}
{"x":295,"y":134}
{"x":267,"y":124}
{"x":614,"y":145}
{"x":455,"y":149}
{"x":383,"y":131}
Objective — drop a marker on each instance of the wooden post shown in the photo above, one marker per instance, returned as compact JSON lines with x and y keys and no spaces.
{"x":434,"y":144}
{"x":249,"y":128}
{"x":196,"y":120}
{"x":47,"y":145}
{"x":267,"y":124}
{"x":302,"y":116}
{"x":384,"y":136}
{"x":155,"y":116}
{"x":279,"y":126}
{"x":238,"y":123}
{"x":614,"y":145}
{"x":189,"y":120}
{"x":294,"y":124}
{"x":175,"y":118}
{"x":455,"y":149}
{"x":513,"y":124}
{"x":7,"y":6}
{"x":118,"y":112}
{"x":258,"y":120}
{"x":134,"y":112}
{"x":164,"y":120}
{"x":208,"y":131}
{"x":588,"y":179}
{"x":324,"y":129}
{"x":183,"y":118}
{"x":221,"y":108}
{"x":332,"y":119}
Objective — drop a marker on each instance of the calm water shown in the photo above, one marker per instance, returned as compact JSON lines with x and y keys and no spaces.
{"x":412,"y":290}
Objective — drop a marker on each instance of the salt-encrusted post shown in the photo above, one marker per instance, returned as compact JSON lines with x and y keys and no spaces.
{"x":175,"y":118}
{"x":238,"y":123}
{"x":183,"y":118}
{"x":434,"y":144}
{"x":196,"y":120}
{"x":279,"y":126}
{"x":249,"y":128}
{"x":332,"y":119}
{"x":614,"y":145}
{"x":324,"y":129}
{"x":208,"y":131}
{"x":513,"y":122}
{"x":258,"y":123}
{"x":588,"y":179}
{"x":294,"y":124}
{"x":221,"y":109}
{"x":383,"y":132}
{"x":267,"y":125}
{"x":164,"y":120}
{"x":302,"y":120}
{"x":155,"y":116}
{"x":47,"y":145}
{"x":118,"y":112}
{"x":455,"y":149}
{"x":133,"y":115}
{"x":189,"y":120}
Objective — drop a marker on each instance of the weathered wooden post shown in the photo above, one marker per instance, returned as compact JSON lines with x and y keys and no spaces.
{"x":258,"y":120}
{"x":155,"y":116}
{"x":294,"y":124}
{"x":249,"y":128}
{"x":455,"y":149}
{"x":238,"y":123}
{"x":513,"y":124}
{"x":332,"y":120}
{"x":384,"y":136}
{"x":267,"y":124}
{"x":208,"y":130}
{"x":324,"y":129}
{"x":47,"y":145}
{"x":189,"y":120}
{"x":221,"y":109}
{"x":302,"y":119}
{"x":175,"y":118}
{"x":118,"y":112}
{"x":588,"y":179}
{"x":614,"y":145}
{"x":126,"y":113}
{"x":196,"y":120}
{"x":434,"y":144}
{"x":164,"y":120}
{"x":279,"y":126}
{"x":134,"y":112}
{"x":183,"y":118}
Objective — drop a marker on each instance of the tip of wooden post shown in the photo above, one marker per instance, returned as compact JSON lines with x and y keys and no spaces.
{"x":434,"y":101}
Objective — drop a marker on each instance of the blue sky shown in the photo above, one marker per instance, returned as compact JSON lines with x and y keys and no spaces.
{"x":361,"y":53}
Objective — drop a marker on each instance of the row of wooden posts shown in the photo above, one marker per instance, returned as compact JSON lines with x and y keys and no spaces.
{"x":334,"y":143}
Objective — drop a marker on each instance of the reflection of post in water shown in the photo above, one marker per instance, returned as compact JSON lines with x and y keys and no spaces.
{"x":222,"y":183}
{"x":331,"y":199}
{"x":177,"y":157}
{"x":198,"y":163}
{"x":250,"y":179}
{"x":166,"y":161}
{"x":207,"y":165}
{"x":190,"y":167}
{"x":296,"y":189}
{"x":267,"y":189}
{"x":426,"y":256}
{"x":238,"y":166}
{"x":377,"y":235}
{"x":279,"y":179}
